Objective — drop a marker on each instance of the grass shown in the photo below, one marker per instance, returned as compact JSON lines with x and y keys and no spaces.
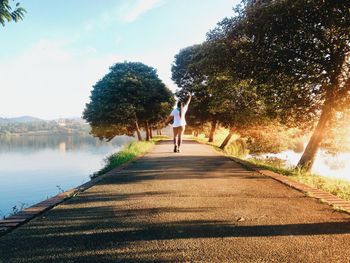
{"x":236,"y":148}
{"x":338,"y":187}
{"x":334,"y":186}
{"x":127,"y":154}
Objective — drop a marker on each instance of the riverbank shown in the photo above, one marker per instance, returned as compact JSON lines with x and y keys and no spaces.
{"x":337,"y":187}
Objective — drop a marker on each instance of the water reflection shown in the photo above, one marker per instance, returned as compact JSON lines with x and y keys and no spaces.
{"x":33,"y":143}
{"x":33,"y":168}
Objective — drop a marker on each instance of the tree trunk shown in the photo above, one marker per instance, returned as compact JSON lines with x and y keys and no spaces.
{"x":227,"y":139}
{"x":212,"y":130}
{"x":150,"y":132}
{"x":147,"y":131}
{"x":138,"y":132}
{"x":308,"y":158}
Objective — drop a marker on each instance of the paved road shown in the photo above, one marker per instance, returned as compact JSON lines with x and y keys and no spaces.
{"x":194,"y":206}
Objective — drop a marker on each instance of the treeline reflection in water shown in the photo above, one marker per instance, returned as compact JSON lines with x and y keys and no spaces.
{"x":63,"y":143}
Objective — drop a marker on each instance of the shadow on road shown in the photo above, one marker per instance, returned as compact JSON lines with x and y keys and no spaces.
{"x":93,"y":229}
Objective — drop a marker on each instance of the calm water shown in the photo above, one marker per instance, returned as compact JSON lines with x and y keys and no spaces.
{"x":33,"y":168}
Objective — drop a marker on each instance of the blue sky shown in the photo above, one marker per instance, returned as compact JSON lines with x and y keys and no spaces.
{"x":50,"y":60}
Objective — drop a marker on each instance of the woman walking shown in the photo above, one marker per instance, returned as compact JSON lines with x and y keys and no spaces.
{"x":179,"y":122}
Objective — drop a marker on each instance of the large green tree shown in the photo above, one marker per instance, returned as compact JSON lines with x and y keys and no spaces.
{"x":233,"y":101}
{"x":219,"y":97}
{"x":129,"y":97}
{"x":8,"y":13}
{"x":297,"y":53}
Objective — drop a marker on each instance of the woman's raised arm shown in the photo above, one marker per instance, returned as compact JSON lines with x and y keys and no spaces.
{"x":189,"y":98}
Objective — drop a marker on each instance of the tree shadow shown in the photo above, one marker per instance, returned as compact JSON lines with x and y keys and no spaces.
{"x":68,"y":233}
{"x":184,"y":141}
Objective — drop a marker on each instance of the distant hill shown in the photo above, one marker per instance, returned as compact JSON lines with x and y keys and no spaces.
{"x":72,"y":119}
{"x":21,"y":119}
{"x":25,"y":125}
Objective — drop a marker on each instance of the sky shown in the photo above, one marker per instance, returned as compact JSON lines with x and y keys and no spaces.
{"x":50,"y":60}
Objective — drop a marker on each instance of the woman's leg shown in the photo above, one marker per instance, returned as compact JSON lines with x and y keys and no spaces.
{"x":180,"y":133}
{"x":176,"y":134}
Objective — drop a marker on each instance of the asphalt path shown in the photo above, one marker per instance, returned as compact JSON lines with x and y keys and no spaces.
{"x":193,"y":206}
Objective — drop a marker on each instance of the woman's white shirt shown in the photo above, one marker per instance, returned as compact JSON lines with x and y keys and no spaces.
{"x":176,"y":114}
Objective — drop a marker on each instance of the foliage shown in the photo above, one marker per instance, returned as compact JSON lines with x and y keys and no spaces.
{"x":237,"y":148}
{"x":7,"y":13}
{"x":130,"y":95}
{"x":299,"y":68}
{"x":272,"y":138}
{"x":217,"y":95}
{"x":237,"y":104}
{"x":301,"y":62}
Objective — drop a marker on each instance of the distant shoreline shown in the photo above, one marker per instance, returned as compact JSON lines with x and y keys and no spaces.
{"x":29,"y":127}
{"x":39,"y":133}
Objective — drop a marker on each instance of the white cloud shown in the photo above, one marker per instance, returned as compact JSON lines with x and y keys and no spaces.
{"x":50,"y":81}
{"x":139,"y":8}
{"x":127,"y":12}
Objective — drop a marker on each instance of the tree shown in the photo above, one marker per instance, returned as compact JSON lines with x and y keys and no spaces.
{"x":129,"y":97}
{"x":190,"y":76}
{"x":7,"y":13}
{"x":219,"y":96}
{"x":297,"y":53}
{"x":233,"y":101}
{"x":238,"y":107}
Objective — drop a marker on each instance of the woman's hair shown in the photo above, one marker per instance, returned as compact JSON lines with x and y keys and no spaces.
{"x":180,"y":106}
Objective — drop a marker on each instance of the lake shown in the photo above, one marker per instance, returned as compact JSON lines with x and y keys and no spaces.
{"x":33,"y":168}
